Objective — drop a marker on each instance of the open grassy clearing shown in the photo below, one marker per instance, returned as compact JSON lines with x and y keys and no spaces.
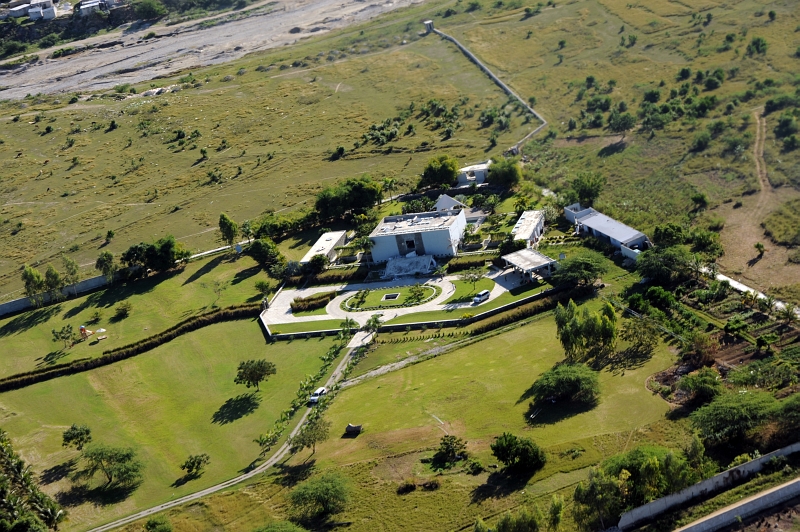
{"x":263,"y":122}
{"x":159,"y":302}
{"x":387,"y":353}
{"x":175,"y":400}
{"x":306,"y":326}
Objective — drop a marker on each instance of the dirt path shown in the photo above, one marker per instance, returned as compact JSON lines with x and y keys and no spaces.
{"x":743,"y":228}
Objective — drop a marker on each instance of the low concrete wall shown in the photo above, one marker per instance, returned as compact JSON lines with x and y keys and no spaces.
{"x":24,"y":303}
{"x":746,"y":508}
{"x":725,"y":480}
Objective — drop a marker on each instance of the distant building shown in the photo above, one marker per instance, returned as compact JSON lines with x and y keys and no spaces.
{"x":529,"y":227}
{"x":476,"y":174}
{"x":49,"y":13}
{"x":428,"y":233}
{"x":35,"y":13}
{"x":326,"y":245}
{"x":589,"y":221}
{"x":88,"y":7}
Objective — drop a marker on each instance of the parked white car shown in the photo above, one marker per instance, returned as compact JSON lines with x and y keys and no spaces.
{"x":318,"y":393}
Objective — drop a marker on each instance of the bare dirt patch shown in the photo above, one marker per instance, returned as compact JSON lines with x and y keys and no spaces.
{"x":743,"y":229}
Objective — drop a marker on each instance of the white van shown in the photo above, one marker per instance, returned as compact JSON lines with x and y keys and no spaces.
{"x":318,"y":393}
{"x":482,"y":296}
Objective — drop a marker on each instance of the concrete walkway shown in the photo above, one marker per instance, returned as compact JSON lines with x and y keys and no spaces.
{"x":280,"y":311}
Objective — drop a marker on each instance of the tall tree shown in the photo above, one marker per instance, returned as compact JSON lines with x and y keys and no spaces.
{"x":118,"y":465}
{"x":54,"y":283}
{"x":441,"y":172}
{"x":34,"y":284}
{"x":505,"y":172}
{"x":228,"y":229}
{"x":247,"y":230}
{"x":451,"y":449}
{"x":317,"y":430}
{"x":321,"y":495}
{"x":71,"y":273}
{"x":252,"y":372}
{"x":76,"y":436}
{"x":587,"y":187}
{"x":105,"y":264}
{"x":195,"y":464}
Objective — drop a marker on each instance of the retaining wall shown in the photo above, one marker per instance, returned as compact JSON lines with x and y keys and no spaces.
{"x":24,"y":303}
{"x":725,"y":480}
{"x":746,"y":508}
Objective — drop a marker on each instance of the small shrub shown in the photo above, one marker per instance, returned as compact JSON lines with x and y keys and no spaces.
{"x":432,"y":485}
{"x":474,"y":466}
{"x":123,"y":310}
{"x":407,"y":486}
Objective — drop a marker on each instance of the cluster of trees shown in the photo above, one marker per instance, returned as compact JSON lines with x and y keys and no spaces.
{"x":353,"y":196}
{"x":637,"y":477}
{"x":583,"y":269}
{"x":51,"y":283}
{"x":320,"y":497}
{"x":440,"y":172}
{"x":24,"y":506}
{"x":585,"y":334}
{"x":118,"y":466}
{"x":162,"y":255}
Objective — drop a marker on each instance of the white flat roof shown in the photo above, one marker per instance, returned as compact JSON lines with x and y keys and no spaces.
{"x":415,"y":223}
{"x":472,"y":168}
{"x":610,"y":227}
{"x":526,"y":225}
{"x":528,"y":259}
{"x":324,"y":245}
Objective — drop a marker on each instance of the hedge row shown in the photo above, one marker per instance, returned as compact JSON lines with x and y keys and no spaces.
{"x":22,"y":380}
{"x":312,"y":302}
{"x":465,"y":263}
{"x":531,"y":309}
{"x":332,"y":276}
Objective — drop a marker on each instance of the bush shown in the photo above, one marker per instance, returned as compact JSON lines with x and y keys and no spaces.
{"x":518,"y":453}
{"x":474,"y":466}
{"x":149,"y":9}
{"x":731,"y":415}
{"x":320,"y":496}
{"x":123,"y":310}
{"x":701,"y":141}
{"x":571,"y":382}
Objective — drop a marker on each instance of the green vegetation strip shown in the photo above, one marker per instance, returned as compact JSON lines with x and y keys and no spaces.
{"x":22,"y":380}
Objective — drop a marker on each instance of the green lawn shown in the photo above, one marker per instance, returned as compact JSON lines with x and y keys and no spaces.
{"x":375,"y":298}
{"x":158,"y":302}
{"x":387,"y":353}
{"x":465,"y":291}
{"x":175,"y":400}
{"x":477,"y":392}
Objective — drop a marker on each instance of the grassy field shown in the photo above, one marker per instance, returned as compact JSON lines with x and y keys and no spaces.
{"x":306,"y":326}
{"x":176,"y":400}
{"x":141,"y":181}
{"x":375,"y":298}
{"x":158,"y":303}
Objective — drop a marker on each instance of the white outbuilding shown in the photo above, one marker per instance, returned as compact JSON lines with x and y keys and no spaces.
{"x":529,"y":227}
{"x":475,"y":174}
{"x":326,"y":245}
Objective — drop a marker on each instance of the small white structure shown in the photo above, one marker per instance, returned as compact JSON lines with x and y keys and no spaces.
{"x":19,"y":11}
{"x":35,"y":13}
{"x":427,"y":233}
{"x":428,"y":25}
{"x":475,"y":174}
{"x":49,"y":13}
{"x":446,"y":203}
{"x":89,"y":6}
{"x":589,"y":221}
{"x":530,"y":263}
{"x":529,"y":227}
{"x":326,"y":245}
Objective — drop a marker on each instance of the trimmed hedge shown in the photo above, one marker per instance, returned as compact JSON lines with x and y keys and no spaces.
{"x":332,"y":276}
{"x":22,"y":380}
{"x":531,"y":309}
{"x":465,"y":263}
{"x":312,"y":302}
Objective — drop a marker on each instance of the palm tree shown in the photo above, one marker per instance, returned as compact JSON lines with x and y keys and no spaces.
{"x":520,"y":204}
{"x":749,"y":298}
{"x":767,"y":304}
{"x":373,"y":324}
{"x":695,"y":264}
{"x":713,"y":270}
{"x":347,"y":325}
{"x":788,"y":315}
{"x":389,"y":185}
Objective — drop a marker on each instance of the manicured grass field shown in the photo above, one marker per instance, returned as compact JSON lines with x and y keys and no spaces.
{"x":306,"y":326}
{"x":387,"y":353}
{"x":376,"y":298}
{"x":159,"y":302}
{"x":176,"y":400}
{"x":465,"y":291}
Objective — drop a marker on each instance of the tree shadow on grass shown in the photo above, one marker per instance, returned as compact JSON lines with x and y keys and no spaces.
{"x":51,"y":358}
{"x":245,"y":274}
{"x":619,"y":361}
{"x":99,"y":496}
{"x":184,"y":479}
{"x":500,"y":484}
{"x":236,"y":408}
{"x":28,"y":320}
{"x":612,"y":149}
{"x":58,"y":472}
{"x":207,"y":267}
{"x":291,"y":475}
{"x":542,"y":413}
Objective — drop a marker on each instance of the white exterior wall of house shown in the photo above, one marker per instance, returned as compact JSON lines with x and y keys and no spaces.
{"x":35,"y":13}
{"x":49,"y":13}
{"x":438,"y":242}
{"x":19,"y":11}
{"x":474,"y":174}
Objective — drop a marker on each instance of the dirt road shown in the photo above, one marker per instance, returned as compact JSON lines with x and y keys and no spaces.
{"x":187,"y":45}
